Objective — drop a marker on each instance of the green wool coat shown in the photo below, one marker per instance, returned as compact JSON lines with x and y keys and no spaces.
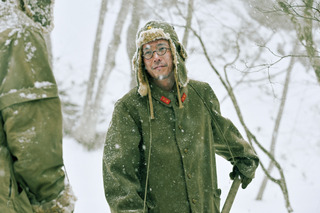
{"x":181,"y":169}
{"x":30,"y":119}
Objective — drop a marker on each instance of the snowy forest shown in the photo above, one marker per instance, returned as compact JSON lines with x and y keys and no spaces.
{"x":260,"y":57}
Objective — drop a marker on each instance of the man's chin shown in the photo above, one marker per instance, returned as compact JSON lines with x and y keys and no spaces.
{"x":163,"y":77}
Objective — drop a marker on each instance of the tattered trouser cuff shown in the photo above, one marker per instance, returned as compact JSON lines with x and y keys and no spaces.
{"x":63,"y":204}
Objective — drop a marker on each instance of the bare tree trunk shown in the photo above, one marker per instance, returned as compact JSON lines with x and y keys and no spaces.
{"x":308,"y":38}
{"x":95,"y":60}
{"x":277,"y":124}
{"x":188,"y":24}
{"x":85,"y":120}
{"x":304,"y":30}
{"x":131,"y":35}
{"x":109,"y":64}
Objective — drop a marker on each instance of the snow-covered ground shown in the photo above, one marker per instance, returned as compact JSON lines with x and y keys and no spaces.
{"x":298,"y":152}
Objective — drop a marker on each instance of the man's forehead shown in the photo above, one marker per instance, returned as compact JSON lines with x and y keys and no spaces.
{"x":155,"y":43}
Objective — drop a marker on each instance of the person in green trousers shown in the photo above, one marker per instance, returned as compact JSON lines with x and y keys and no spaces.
{"x":159,"y":153}
{"x":32,"y":177}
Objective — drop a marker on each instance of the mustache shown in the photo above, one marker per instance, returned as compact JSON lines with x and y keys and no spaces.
{"x":159,"y":65}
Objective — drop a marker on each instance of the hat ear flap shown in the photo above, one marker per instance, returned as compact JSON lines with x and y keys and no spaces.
{"x":138,"y":66}
{"x":182,"y":51}
{"x":181,"y":67}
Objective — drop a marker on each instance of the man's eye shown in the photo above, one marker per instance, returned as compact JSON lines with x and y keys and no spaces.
{"x":161,"y":49}
{"x":147,"y":53}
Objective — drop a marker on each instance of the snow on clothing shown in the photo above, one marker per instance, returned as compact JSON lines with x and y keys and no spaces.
{"x":182,"y":164}
{"x":31,"y":174}
{"x":182,"y":137}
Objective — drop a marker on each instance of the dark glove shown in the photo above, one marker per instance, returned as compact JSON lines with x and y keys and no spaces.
{"x":244,"y":180}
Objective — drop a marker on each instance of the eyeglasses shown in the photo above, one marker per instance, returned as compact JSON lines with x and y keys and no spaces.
{"x":160,"y":52}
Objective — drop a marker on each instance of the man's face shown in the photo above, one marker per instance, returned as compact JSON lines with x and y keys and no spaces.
{"x":158,"y":66}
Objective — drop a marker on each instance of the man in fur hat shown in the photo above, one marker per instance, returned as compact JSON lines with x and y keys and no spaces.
{"x":159,"y":154}
{"x":32,"y":178}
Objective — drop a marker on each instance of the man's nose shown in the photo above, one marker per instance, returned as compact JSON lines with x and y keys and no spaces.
{"x":156,"y":57}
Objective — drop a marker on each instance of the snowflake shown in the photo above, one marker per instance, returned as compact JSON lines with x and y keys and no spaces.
{"x":29,"y":49}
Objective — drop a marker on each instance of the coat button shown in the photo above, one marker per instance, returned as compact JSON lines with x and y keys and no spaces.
{"x":189,"y":176}
{"x":194,"y":201}
{"x":186,"y":151}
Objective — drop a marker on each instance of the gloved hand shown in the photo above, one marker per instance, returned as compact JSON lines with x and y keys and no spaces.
{"x":244,"y":180}
{"x":63,"y":204}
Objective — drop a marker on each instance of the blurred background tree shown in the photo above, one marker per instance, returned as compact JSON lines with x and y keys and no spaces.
{"x":249,"y":45}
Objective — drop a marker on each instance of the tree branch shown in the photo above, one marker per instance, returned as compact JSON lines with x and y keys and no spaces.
{"x":281,"y":182}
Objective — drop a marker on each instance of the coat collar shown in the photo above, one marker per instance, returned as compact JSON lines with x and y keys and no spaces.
{"x":168,"y":98}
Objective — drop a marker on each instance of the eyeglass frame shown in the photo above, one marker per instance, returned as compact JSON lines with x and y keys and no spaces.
{"x":166,"y":49}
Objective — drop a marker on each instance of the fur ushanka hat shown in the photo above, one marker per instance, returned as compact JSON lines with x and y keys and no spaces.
{"x":40,"y":12}
{"x":155,"y":30}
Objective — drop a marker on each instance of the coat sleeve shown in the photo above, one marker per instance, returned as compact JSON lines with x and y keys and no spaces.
{"x":34,"y":136}
{"x":26,"y":73}
{"x":121,"y":162}
{"x":31,"y":113}
{"x":228,"y":141}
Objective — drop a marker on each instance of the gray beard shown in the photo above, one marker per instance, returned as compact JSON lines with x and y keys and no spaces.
{"x":162,"y":77}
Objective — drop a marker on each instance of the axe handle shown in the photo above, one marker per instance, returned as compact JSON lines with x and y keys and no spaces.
{"x":231,"y":195}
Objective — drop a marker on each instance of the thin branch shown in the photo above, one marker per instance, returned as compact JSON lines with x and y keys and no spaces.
{"x":284,"y":10}
{"x":281,"y":182}
{"x":277,"y":123}
{"x":281,"y":57}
